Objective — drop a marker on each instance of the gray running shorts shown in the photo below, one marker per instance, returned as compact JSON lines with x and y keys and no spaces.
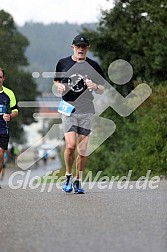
{"x":79,"y":123}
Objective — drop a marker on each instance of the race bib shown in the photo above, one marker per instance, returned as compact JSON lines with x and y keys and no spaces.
{"x":65,"y":108}
{"x":2,"y":109}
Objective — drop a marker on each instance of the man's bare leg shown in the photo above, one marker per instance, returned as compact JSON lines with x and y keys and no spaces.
{"x":70,"y":139}
{"x":81,"y":158}
{"x":1,"y":162}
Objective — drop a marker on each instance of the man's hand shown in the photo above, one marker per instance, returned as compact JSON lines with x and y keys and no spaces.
{"x":90,"y":84}
{"x":60,"y":86}
{"x":6,"y":117}
{"x":99,"y":89}
{"x":9,"y":117}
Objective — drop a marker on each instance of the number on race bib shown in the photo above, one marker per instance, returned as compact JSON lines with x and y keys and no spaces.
{"x":65,"y":108}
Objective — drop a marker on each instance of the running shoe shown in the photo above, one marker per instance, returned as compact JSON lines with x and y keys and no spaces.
{"x":77,"y":187}
{"x":67,"y":187}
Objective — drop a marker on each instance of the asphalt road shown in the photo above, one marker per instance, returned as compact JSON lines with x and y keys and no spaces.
{"x":14,"y":173}
{"x":132,"y":220}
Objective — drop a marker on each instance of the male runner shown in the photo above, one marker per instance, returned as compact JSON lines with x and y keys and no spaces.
{"x":8,"y":110}
{"x":83,"y":77}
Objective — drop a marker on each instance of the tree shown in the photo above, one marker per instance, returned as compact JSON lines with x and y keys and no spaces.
{"x":144,"y":139}
{"x":139,"y":142}
{"x":12,"y":50}
{"x":135,"y":31}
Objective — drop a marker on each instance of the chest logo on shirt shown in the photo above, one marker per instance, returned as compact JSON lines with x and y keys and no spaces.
{"x":76,"y":82}
{"x":3,"y":109}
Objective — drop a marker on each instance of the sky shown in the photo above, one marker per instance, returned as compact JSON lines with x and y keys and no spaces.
{"x":51,"y":11}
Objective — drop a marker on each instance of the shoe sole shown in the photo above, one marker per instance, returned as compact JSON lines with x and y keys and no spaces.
{"x":80,"y":192}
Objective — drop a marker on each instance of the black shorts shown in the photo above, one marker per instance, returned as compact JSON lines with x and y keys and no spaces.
{"x":4,"y":140}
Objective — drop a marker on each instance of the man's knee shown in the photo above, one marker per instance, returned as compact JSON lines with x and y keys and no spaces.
{"x":70,"y":147}
{"x":82,"y":150}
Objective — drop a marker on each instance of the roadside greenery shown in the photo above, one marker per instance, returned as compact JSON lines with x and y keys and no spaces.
{"x":139,"y":142}
{"x":12,"y":58}
{"x":136,"y":32}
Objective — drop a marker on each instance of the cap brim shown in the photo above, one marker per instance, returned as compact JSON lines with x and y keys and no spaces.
{"x":81,"y":43}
